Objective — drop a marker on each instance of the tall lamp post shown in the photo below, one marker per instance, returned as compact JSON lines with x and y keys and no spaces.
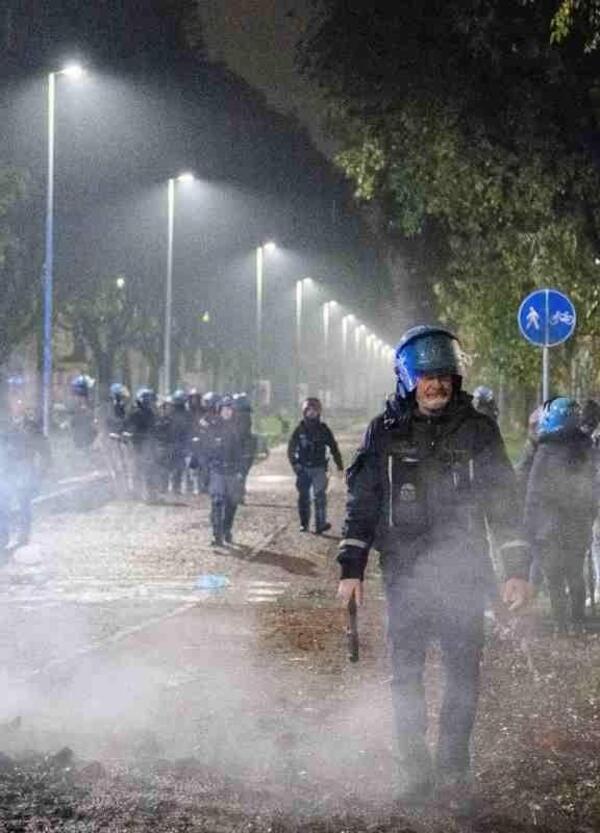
{"x":300,"y":286}
{"x":347,"y":320}
{"x":186,"y":177}
{"x":260,"y":255}
{"x":75,"y":72}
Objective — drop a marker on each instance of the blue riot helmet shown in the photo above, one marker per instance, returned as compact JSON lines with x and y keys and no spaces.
{"x":241,"y":403}
{"x":560,"y":415}
{"x":210,"y":401}
{"x":179,"y":398}
{"x":82,"y":385}
{"x":484,"y":401}
{"x":426,"y":350}
{"x":226,"y":401}
{"x":145,"y":397}
{"x":119,"y":392}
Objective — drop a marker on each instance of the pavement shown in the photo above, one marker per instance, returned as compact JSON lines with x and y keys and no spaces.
{"x":124,"y":633}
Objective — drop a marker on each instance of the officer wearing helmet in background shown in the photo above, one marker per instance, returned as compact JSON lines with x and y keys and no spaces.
{"x":112,"y":415}
{"x":430,"y":473}
{"x":243,"y":418}
{"x":119,"y":398}
{"x":201,"y":442}
{"x":308,"y":449}
{"x":560,"y":507}
{"x":139,"y":427}
{"x":82,"y":423}
{"x":226,"y":466}
{"x":484,"y":401}
{"x":180,"y":430}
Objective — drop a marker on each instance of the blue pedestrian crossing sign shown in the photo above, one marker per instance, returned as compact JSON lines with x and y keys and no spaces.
{"x":547,"y":317}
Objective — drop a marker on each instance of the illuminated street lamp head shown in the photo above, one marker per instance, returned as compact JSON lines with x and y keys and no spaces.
{"x":186,"y":177}
{"x":269,"y":246}
{"x":73,"y":71}
{"x":120,"y":282}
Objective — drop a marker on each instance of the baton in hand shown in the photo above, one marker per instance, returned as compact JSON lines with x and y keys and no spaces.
{"x":352,"y":630}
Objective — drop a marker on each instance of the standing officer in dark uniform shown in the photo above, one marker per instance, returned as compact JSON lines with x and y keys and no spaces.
{"x":430,"y":472}
{"x":560,"y":507}
{"x":308,"y":455}
{"x":226,"y":465}
{"x":140,"y":427}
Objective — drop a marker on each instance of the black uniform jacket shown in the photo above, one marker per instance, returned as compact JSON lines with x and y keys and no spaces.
{"x":562,"y":489}
{"x":309,"y":443}
{"x":225,"y":448}
{"x":420,"y":491}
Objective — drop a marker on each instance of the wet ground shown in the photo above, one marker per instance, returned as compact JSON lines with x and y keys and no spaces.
{"x":134,"y":698}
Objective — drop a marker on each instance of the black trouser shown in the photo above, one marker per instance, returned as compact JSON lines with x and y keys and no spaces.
{"x":561,"y":561}
{"x":414,"y":621}
{"x":225,"y":492}
{"x":178,"y":469}
{"x":314,"y":479}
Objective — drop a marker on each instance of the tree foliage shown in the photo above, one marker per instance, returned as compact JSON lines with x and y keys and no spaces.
{"x":17,"y":283}
{"x":470,"y":116}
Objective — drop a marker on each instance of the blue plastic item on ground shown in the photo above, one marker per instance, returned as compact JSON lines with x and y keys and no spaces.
{"x":211,"y":581}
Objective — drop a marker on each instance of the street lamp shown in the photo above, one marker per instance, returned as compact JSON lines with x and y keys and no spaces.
{"x":73,"y":71}
{"x":268,"y":247}
{"x":182,"y":178}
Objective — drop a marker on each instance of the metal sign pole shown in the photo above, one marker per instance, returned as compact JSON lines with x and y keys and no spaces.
{"x":546,"y":353}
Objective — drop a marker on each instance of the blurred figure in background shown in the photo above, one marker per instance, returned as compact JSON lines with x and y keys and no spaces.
{"x":226,"y":465}
{"x":308,"y":454}
{"x":243,"y":417}
{"x":139,"y":427}
{"x":82,"y":422}
{"x":560,"y":506}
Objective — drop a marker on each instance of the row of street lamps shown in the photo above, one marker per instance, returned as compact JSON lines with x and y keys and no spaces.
{"x":76,"y":72}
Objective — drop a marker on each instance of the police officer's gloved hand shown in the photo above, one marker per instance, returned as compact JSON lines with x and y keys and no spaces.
{"x":298,"y":468}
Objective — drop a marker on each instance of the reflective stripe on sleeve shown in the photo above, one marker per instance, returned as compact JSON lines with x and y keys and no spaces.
{"x":353,"y":542}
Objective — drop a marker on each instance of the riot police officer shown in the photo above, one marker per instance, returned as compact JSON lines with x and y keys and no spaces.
{"x":226,"y":465}
{"x":307,"y":451}
{"x":83,"y":425}
{"x":180,"y":438}
{"x":560,"y":507}
{"x":430,"y":472}
{"x":112,"y":416}
{"x":140,"y":426}
{"x":201,"y":442}
{"x":243,"y":418}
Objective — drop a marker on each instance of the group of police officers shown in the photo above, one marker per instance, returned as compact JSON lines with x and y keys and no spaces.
{"x":431,"y":488}
{"x":190,"y":442}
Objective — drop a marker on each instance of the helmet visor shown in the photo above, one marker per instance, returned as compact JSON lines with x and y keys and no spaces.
{"x":431,"y":354}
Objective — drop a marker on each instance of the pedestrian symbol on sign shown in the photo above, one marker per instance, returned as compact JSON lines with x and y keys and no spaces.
{"x":533,"y":318}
